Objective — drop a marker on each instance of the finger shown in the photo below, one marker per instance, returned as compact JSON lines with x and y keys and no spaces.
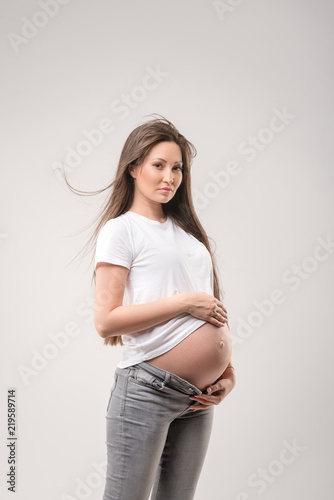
{"x":219,"y":386}
{"x":211,"y":389}
{"x":219,"y":313}
{"x":196,"y":408}
{"x":217,"y":319}
{"x":200,"y":405}
{"x":223,"y":313}
{"x":216,"y":322}
{"x":203,"y":398}
{"x":221,"y":306}
{"x":213,"y":402}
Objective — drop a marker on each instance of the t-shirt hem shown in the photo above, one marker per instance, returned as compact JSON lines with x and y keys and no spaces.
{"x":157,"y":352}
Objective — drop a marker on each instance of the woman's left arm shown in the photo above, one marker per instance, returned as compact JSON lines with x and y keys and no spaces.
{"x":218,"y":391}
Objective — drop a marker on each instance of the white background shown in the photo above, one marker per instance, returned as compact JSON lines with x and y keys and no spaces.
{"x":226,"y":70}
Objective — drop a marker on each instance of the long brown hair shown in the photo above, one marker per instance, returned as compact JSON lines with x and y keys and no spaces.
{"x":180,"y":208}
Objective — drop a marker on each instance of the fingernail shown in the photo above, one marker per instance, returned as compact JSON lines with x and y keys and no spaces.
{"x":209,"y":390}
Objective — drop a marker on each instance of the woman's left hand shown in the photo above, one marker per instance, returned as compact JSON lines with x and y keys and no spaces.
{"x":217,"y":392}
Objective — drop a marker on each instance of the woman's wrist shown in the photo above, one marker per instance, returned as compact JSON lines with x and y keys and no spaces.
{"x":229,"y":374}
{"x":183,"y":302}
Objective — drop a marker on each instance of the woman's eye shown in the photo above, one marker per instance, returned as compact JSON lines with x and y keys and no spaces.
{"x":161,"y":165}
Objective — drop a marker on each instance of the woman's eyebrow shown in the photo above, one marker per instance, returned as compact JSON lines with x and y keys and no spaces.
{"x":180,"y":161}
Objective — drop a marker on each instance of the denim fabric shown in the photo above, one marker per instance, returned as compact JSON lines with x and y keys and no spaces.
{"x":155,"y":444}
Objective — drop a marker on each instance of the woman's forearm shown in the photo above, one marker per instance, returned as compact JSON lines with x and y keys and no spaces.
{"x":125,"y":320}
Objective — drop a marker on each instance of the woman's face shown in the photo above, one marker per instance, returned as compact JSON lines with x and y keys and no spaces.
{"x":159,"y":176}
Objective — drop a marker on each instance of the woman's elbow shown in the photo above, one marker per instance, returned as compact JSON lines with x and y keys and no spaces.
{"x":102,"y":331}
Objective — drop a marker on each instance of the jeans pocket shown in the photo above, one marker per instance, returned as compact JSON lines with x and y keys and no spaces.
{"x":112,"y":390}
{"x":142,"y":377}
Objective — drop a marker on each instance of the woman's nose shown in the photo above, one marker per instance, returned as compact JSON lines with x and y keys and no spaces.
{"x":168,"y":175}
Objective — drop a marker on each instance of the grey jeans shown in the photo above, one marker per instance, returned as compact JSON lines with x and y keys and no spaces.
{"x":154,"y":442}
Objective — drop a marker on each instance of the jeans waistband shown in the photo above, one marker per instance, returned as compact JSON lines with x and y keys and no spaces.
{"x":170,"y":379}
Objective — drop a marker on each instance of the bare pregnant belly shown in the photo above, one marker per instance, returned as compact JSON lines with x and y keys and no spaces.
{"x":201,"y":357}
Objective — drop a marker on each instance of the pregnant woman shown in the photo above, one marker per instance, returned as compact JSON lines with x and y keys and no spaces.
{"x":157,"y":294}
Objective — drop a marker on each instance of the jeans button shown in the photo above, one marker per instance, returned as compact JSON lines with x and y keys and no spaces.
{"x":191,"y":390}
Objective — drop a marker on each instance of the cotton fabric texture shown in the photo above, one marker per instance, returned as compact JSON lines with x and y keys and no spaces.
{"x":163,"y":260}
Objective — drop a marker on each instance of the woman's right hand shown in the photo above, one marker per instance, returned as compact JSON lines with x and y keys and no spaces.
{"x":204,"y":306}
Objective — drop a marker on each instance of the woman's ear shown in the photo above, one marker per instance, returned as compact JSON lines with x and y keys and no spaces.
{"x":131,"y":170}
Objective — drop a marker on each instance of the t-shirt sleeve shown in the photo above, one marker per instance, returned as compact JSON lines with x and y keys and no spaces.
{"x":113,"y":244}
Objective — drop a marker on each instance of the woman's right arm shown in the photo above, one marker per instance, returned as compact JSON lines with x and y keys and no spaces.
{"x":111,"y":318}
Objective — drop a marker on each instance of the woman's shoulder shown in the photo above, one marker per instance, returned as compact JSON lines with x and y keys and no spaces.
{"x":117,"y":225}
{"x":120,"y":221}
{"x":122,"y":226}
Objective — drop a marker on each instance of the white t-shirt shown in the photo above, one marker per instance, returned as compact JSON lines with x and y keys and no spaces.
{"x":163,"y":260}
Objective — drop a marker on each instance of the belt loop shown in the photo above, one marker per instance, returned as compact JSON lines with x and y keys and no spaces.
{"x":167,"y":378}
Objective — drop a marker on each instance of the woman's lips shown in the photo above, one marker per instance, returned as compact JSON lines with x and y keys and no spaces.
{"x":165,"y":190}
